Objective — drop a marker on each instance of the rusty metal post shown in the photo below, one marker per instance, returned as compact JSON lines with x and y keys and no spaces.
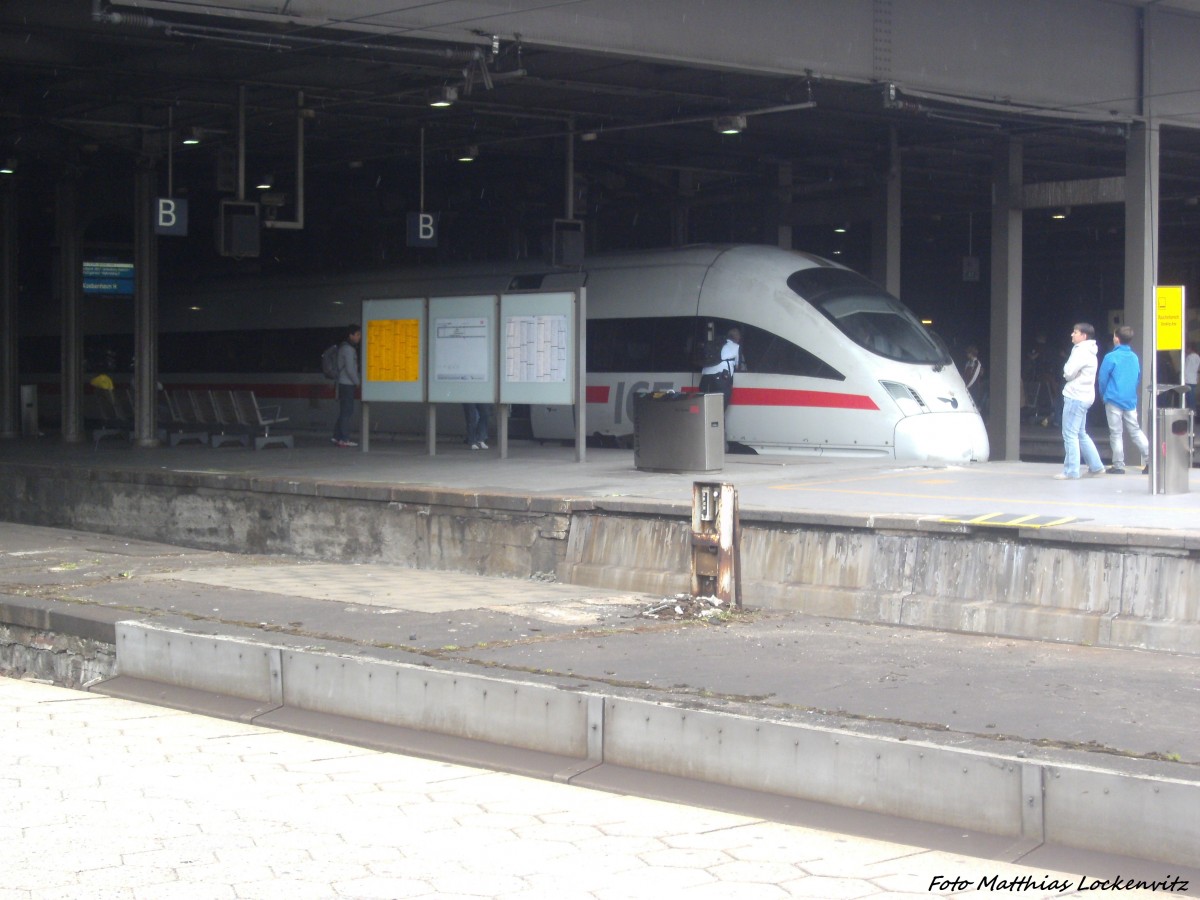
{"x":716,"y":533}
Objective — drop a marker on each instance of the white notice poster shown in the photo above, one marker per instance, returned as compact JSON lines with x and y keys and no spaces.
{"x":461,"y":349}
{"x":535,"y":349}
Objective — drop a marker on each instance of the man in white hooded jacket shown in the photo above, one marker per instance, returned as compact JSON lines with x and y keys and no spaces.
{"x":1079,"y":393}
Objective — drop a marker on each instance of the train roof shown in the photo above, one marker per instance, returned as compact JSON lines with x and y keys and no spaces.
{"x":501,"y":276}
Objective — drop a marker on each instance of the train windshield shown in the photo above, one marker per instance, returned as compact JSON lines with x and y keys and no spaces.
{"x":870,"y":317}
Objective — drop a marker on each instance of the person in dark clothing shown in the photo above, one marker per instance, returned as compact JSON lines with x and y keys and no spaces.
{"x":477,"y":416}
{"x":718,"y":379}
{"x":973,"y":377}
{"x":348,"y":381}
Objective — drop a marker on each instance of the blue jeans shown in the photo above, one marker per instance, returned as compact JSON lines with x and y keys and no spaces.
{"x":476,"y":415}
{"x":345,"y":395}
{"x":1120,"y":423}
{"x":1076,"y":439}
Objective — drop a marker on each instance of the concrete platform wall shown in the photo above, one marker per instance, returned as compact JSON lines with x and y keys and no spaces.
{"x":427,"y":528}
{"x":1097,"y":587}
{"x":1061,"y":585}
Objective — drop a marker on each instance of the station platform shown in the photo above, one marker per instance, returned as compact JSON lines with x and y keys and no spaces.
{"x":1019,"y":746}
{"x":765,"y":483}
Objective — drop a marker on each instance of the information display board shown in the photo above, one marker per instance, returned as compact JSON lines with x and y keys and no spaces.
{"x":393,"y":350}
{"x":111,"y":278}
{"x":462,"y":349}
{"x":538,"y":355}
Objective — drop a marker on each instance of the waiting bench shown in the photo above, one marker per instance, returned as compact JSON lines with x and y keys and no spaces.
{"x":211,"y":417}
{"x":115,"y":417}
{"x":258,"y":418}
{"x":215,"y":409}
{"x":183,"y":424}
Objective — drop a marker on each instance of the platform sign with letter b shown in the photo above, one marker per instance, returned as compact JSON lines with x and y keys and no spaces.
{"x":170,"y":216}
{"x":422,"y":229}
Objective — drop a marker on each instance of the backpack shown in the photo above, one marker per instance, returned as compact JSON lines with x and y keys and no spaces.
{"x":329,"y":362}
{"x":707,"y":353}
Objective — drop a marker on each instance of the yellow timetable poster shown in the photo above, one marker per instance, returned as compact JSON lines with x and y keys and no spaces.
{"x":393,"y":350}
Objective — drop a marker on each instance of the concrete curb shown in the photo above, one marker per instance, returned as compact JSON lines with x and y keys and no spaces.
{"x":1031,"y":801}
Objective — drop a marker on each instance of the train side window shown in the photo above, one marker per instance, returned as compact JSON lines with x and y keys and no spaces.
{"x":664,"y":344}
{"x":771,"y":354}
{"x":651,"y":344}
{"x":260,"y":351}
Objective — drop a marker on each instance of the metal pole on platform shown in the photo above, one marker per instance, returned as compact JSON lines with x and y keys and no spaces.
{"x":70,"y":284}
{"x":1155,"y":437}
{"x":145,"y":311}
{"x":715,"y":539}
{"x":581,"y":375}
{"x":8,"y":312}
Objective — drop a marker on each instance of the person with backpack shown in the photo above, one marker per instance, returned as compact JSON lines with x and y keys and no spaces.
{"x":718,"y":378}
{"x":348,"y":380}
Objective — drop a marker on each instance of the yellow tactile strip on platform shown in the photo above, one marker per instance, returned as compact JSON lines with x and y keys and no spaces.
{"x":1011,"y":520}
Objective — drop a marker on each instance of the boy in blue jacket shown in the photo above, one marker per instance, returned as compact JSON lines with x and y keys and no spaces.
{"x":1119,"y":374}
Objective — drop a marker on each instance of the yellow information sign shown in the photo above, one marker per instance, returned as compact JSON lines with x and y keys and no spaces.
{"x":1170,"y":316}
{"x":393,"y":350}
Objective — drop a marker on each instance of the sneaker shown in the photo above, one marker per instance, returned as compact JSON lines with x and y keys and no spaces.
{"x":474,"y":446}
{"x":347,"y":444}
{"x":483,"y":445}
{"x":1063,"y":476}
{"x":1092,"y":473}
{"x":334,"y":441}
{"x":1116,"y":470}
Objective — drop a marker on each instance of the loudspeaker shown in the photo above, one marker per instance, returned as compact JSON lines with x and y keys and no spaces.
{"x":238,"y":231}
{"x":567,"y":245}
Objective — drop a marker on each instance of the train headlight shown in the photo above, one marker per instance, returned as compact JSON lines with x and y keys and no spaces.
{"x":906,"y":398}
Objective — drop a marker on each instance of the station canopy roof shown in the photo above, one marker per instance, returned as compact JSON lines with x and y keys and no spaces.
{"x":89,"y":88}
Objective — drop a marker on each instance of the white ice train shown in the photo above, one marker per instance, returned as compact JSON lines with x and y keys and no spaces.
{"x":836,"y":365}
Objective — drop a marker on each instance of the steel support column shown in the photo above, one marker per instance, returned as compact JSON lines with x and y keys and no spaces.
{"x":8,"y":313}
{"x":145,"y":311}
{"x":885,"y":225}
{"x":1141,"y":256}
{"x":1004,"y":354}
{"x":70,"y":283}
{"x":784,"y":179}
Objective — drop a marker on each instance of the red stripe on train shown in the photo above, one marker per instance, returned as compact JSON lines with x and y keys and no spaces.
{"x":596,"y":393}
{"x":784,"y":397}
{"x":818,"y":399}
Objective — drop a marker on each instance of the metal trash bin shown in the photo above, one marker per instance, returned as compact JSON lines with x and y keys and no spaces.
{"x":1173,"y":454}
{"x":678,"y":432}
{"x":29,"y":410}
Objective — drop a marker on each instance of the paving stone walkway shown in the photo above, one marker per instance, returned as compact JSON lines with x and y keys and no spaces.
{"x":106,"y":798}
